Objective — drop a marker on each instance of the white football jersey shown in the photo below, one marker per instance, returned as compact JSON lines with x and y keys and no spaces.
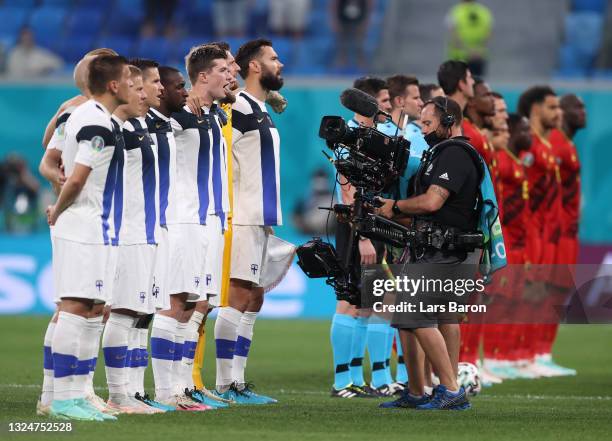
{"x":140,"y":222}
{"x":94,"y":141}
{"x":201,"y":167}
{"x":256,"y":165}
{"x":160,"y":130}
{"x":59,"y":134}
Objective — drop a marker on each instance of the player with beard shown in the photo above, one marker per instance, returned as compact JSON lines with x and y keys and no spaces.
{"x":561,"y":138}
{"x":256,"y":180}
{"x":541,"y":105}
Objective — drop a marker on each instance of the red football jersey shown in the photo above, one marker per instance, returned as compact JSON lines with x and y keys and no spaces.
{"x":543,"y":192}
{"x":569,"y":166}
{"x":514,"y":208}
{"x":479,"y":141}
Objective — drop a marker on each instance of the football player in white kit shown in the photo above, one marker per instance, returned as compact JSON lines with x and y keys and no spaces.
{"x":132,"y":295}
{"x":164,"y":329}
{"x":197,"y":210}
{"x":51,"y":168}
{"x":83,"y":232}
{"x":256,"y":183}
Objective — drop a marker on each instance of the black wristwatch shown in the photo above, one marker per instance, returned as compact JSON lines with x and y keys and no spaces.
{"x":395,"y":209}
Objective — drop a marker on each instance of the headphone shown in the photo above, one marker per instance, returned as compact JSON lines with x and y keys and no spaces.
{"x":447,"y":120}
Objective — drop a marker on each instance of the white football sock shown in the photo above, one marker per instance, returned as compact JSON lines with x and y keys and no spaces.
{"x":177,"y":366}
{"x":133,"y":361}
{"x":143,"y":340}
{"x":163,"y":335}
{"x":226,"y":328}
{"x":115,"y":346}
{"x":90,"y":351}
{"x":65,"y":348}
{"x":243,"y":344}
{"x":47,"y":388}
{"x":191,"y":341}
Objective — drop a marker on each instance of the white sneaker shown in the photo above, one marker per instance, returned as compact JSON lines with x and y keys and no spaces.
{"x":41,"y":409}
{"x":98,"y":403}
{"x":489,"y":377}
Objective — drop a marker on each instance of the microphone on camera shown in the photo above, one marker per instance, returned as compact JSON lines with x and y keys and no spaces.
{"x":361,"y":103}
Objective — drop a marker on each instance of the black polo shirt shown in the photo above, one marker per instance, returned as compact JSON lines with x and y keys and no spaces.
{"x":454,"y":169}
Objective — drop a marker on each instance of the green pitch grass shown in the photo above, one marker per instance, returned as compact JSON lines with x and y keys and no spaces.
{"x":291,"y":360}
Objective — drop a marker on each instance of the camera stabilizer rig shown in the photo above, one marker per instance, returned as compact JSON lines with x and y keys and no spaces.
{"x":372,"y":162}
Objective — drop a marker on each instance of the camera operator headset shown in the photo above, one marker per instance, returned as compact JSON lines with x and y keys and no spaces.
{"x":444,"y":195}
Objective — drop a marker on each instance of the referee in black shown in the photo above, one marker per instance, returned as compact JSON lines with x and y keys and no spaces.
{"x":443,"y":198}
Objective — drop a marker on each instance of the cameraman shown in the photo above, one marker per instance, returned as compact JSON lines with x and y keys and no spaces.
{"x":444,"y":194}
{"x":350,"y":332}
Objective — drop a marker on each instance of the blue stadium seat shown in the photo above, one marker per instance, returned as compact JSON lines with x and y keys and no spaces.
{"x":200,"y":19}
{"x":12,"y":20}
{"x":181,"y":48}
{"x":319,"y":24}
{"x":47,"y":22}
{"x":126,"y":18}
{"x":84,"y":21}
{"x":122,"y":45}
{"x":61,"y":3}
{"x":19,"y":3}
{"x":72,"y":48}
{"x":583,"y":30}
{"x":598,"y":6}
{"x":313,"y":55}
{"x":156,"y":48}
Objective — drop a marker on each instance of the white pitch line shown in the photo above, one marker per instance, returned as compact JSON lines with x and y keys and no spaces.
{"x":483,"y":395}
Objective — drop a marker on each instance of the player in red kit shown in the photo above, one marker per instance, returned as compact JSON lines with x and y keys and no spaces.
{"x":541,"y":105}
{"x":574,"y":119}
{"x":566,"y":251}
{"x":478,"y":111}
{"x":502,"y":342}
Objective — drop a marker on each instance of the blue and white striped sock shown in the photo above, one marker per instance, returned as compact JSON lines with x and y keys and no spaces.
{"x":163,"y":334}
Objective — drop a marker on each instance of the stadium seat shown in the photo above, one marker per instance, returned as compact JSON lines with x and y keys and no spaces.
{"x":181,"y":48}
{"x":122,"y":45}
{"x":12,"y":20}
{"x":312,"y":56}
{"x":19,"y":3}
{"x":72,"y":48}
{"x":60,"y":3}
{"x":200,"y":19}
{"x":47,"y":22}
{"x":319,"y":24}
{"x":584,"y":30}
{"x":84,"y":21}
{"x":126,"y":18}
{"x":598,"y":6}
{"x":156,"y":48}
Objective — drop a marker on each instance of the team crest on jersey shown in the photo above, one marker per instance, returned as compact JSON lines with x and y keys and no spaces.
{"x":254,"y":268}
{"x":99,"y":285}
{"x":528,"y":159}
{"x":97,"y":143}
{"x":208,"y":279}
